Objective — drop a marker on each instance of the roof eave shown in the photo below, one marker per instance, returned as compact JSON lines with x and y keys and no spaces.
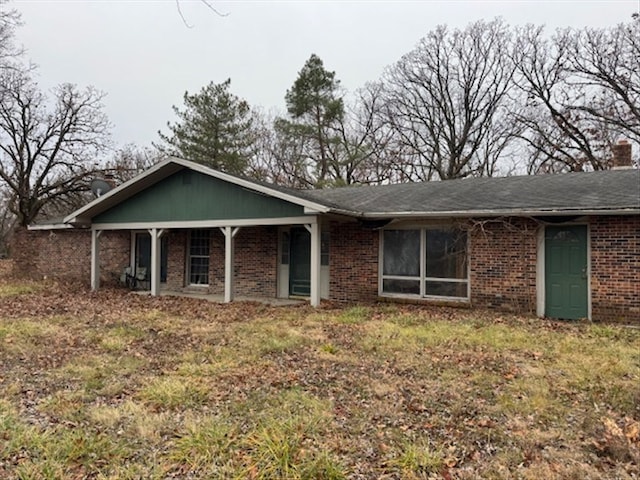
{"x":503,"y":213}
{"x":49,"y":226}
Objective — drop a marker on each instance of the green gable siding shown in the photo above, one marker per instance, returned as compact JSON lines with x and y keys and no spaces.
{"x":189,"y":195}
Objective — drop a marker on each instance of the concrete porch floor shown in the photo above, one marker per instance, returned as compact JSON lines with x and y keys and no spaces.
{"x":275,"y":302}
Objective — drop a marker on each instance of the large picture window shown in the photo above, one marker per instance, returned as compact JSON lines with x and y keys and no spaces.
{"x":199,"y":249}
{"x":426,"y":262}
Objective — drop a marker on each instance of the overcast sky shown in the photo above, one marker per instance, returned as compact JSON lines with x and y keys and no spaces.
{"x":141,"y":53}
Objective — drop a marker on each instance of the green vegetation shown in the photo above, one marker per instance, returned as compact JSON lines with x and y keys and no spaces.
{"x":111,"y":386}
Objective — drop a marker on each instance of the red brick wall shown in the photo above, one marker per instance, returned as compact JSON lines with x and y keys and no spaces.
{"x":615,"y":268}
{"x":255,"y":266}
{"x":502,"y":261}
{"x":502,"y":256}
{"x":256,"y":257}
{"x":66,"y":254}
{"x":353,"y":263}
{"x":176,"y":254}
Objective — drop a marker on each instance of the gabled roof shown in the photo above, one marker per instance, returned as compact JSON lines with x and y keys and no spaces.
{"x":169,"y":167}
{"x":603,"y":192}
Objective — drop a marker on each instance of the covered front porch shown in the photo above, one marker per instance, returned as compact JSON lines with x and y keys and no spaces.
{"x":256,"y":258}
{"x":181,"y":199}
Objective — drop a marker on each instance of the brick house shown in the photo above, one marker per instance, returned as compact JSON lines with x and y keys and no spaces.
{"x":563,"y":246}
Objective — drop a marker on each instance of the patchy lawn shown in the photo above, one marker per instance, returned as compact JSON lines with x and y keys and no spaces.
{"x":117,"y":386}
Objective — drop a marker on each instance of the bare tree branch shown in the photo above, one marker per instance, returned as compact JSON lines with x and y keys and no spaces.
{"x":444,"y":101}
{"x":205,"y":3}
{"x":47,"y":154}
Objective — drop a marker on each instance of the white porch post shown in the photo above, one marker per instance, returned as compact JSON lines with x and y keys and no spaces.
{"x":155,"y":260}
{"x":315,"y":264}
{"x":95,"y":259}
{"x":229,"y":233}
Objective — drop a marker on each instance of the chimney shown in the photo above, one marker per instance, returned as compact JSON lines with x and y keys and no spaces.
{"x":621,"y":155}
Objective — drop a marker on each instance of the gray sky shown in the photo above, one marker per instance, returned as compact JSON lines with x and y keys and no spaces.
{"x":144,"y":57}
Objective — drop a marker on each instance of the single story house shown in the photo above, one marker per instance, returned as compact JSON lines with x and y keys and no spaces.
{"x":563,"y":246}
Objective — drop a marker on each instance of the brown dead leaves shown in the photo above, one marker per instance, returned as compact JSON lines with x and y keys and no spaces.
{"x":620,"y":439}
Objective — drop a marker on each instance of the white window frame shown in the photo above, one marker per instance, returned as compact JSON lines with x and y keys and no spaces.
{"x":422,"y":279}
{"x":190,"y":256}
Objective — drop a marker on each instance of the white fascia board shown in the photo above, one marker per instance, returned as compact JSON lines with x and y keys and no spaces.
{"x":249,"y":222}
{"x":50,"y":226}
{"x":499,"y":213}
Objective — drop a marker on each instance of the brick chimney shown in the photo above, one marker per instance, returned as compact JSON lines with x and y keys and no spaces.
{"x":621,"y":155}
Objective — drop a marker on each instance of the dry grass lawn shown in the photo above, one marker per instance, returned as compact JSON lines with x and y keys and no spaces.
{"x":111,"y":385}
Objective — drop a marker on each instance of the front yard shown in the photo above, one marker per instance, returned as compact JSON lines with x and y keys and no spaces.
{"x":113,"y":385}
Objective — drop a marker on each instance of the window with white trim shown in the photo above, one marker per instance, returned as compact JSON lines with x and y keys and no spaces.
{"x":199,"y":249}
{"x":425,"y":262}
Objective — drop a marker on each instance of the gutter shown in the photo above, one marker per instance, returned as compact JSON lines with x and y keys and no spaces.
{"x":497,"y":213}
{"x":50,"y":226}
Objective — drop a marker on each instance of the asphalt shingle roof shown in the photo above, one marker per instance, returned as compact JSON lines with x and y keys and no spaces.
{"x":584,"y":191}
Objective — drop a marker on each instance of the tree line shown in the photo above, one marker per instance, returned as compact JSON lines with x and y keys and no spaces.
{"x":485,"y":100}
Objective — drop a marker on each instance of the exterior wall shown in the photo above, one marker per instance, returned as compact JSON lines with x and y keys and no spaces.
{"x":255,"y":262}
{"x":176,"y":255}
{"x":66,"y":254}
{"x":256,"y":257}
{"x":115,"y":255}
{"x":615,"y":268}
{"x":353,"y":263}
{"x":502,"y":264}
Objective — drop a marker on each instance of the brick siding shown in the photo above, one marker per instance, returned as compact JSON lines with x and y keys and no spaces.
{"x":502,"y":261}
{"x":353,"y":263}
{"x":255,"y":257}
{"x":66,"y":254}
{"x":615,"y":268}
{"x":176,"y":255}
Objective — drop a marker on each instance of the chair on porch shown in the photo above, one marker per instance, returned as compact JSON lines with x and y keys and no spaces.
{"x":133,"y":281}
{"x":126,"y":279}
{"x":141,"y":278}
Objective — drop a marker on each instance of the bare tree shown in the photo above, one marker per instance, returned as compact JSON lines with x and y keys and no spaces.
{"x":47,"y":154}
{"x":583,"y":93}
{"x":370,"y":152}
{"x":609,"y":60}
{"x":444,"y":101}
{"x":9,"y":20}
{"x":7,"y":223}
{"x":130,"y":161}
{"x":279,"y":156}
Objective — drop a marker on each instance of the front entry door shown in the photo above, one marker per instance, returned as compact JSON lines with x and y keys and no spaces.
{"x":143,"y":255}
{"x":566,"y":270}
{"x":300,"y":262}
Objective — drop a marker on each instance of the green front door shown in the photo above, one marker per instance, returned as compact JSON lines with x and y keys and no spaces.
{"x":300,"y":262}
{"x":566,"y":271}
